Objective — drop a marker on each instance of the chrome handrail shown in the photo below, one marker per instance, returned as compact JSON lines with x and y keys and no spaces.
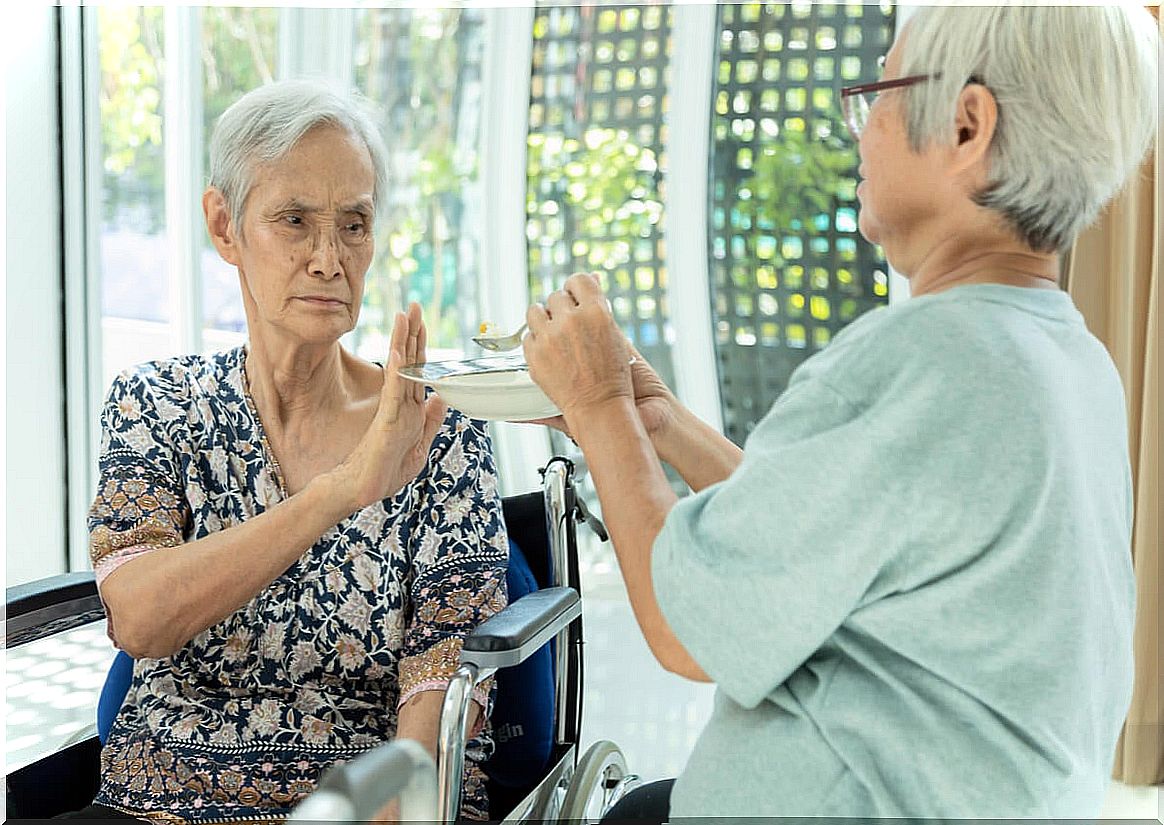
{"x":555,"y":479}
{"x":554,"y":484}
{"x":358,"y":790}
{"x":451,"y":739}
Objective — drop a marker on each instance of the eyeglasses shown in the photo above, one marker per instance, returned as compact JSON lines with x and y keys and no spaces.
{"x":856,"y":101}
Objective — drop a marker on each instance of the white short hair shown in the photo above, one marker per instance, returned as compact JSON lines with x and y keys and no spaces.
{"x":1078,"y":98}
{"x":263,"y":125}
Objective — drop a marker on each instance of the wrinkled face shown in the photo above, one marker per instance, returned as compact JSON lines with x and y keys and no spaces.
{"x":307,"y":241}
{"x":900,"y":188}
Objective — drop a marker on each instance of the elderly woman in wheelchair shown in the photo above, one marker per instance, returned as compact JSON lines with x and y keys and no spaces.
{"x":536,"y":772}
{"x":290,"y":542}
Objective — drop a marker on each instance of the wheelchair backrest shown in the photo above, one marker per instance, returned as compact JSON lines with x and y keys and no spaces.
{"x":525,"y":522}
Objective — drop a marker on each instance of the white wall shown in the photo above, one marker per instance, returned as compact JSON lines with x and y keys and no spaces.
{"x":34,"y":381}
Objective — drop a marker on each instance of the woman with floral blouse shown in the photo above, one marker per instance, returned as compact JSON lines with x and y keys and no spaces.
{"x":289,"y":541}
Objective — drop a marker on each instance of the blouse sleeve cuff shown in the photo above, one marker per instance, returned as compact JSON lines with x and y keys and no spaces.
{"x":109,"y":549}
{"x":433,"y":669}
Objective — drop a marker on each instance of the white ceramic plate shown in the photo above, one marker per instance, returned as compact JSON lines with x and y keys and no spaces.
{"x":496,"y":388}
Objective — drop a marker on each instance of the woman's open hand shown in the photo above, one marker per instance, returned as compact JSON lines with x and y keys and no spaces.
{"x":395,"y":447}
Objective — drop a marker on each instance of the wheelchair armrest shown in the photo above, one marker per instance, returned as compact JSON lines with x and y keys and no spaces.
{"x":49,"y":606}
{"x":513,"y":635}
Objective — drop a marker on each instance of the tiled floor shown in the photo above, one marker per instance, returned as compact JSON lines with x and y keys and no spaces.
{"x":50,"y":692}
{"x":652,"y":715}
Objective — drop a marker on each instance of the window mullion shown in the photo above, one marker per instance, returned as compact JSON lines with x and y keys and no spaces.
{"x":290,"y":26}
{"x":688,"y":152}
{"x":182,"y":146}
{"x":317,"y":43}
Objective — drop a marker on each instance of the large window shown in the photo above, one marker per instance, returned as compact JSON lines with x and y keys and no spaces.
{"x":788,"y":269}
{"x":135,"y":290}
{"x":421,"y":69}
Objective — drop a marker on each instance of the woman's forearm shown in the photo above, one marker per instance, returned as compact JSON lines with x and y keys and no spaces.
{"x":636,"y":499}
{"x":700,"y":454}
{"x":420,"y":719}
{"x":158,"y":601}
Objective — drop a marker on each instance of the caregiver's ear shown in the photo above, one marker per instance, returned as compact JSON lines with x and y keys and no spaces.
{"x":975,"y":122}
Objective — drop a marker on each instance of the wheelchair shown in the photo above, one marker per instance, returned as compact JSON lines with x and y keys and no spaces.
{"x":534,"y":646}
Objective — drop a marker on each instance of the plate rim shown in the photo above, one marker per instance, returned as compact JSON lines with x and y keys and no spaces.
{"x":411,"y":371}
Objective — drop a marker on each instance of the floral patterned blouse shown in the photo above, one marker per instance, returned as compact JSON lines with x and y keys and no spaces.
{"x":240,"y":723}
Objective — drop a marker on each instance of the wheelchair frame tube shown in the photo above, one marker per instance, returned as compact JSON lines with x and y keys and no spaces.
{"x":454,"y":731}
{"x":357,"y":790}
{"x":324,"y":806}
{"x":554,"y":481}
{"x":419,"y":800}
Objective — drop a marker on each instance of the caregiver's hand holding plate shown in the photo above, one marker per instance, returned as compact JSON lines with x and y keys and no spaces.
{"x":575,"y":351}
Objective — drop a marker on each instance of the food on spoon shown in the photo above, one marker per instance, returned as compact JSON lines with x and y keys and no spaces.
{"x":488,"y":329}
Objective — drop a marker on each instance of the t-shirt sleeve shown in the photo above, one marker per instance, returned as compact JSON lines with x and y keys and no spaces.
{"x":139,"y":506}
{"x":755,"y":573}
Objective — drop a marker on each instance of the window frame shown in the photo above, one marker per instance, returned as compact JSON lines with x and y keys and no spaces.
{"x":81,"y":187}
{"x":687,"y":180}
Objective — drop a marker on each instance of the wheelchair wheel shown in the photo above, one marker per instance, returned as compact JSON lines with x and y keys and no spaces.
{"x":599,"y":781}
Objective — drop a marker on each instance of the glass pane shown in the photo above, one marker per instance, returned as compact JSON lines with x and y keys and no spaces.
{"x":240,"y":53}
{"x":422,"y":69}
{"x":788,"y":268}
{"x":135,"y":299}
{"x":596,"y":158}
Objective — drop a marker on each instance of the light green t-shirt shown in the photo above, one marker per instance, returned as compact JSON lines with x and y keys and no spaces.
{"x":915,"y":595}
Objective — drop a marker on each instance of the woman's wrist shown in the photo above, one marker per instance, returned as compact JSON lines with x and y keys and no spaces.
{"x":333,"y":493}
{"x":669,"y":437}
{"x":582,"y":421}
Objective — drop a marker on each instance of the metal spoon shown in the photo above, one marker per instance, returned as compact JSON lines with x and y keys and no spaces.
{"x":501,"y":343}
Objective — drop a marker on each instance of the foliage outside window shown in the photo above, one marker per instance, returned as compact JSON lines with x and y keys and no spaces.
{"x":130,"y":103}
{"x":788,"y":268}
{"x":132,"y":253}
{"x":596,"y":159}
{"x":421,"y":67}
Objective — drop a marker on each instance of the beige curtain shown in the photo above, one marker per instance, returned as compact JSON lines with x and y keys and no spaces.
{"x":1114,"y":277}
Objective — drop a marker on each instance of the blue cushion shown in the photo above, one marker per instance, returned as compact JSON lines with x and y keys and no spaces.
{"x":523,"y":716}
{"x":113,"y":693}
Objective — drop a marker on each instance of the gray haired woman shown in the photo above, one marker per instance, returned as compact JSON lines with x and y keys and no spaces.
{"x":913,"y":587}
{"x":289,"y":541}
